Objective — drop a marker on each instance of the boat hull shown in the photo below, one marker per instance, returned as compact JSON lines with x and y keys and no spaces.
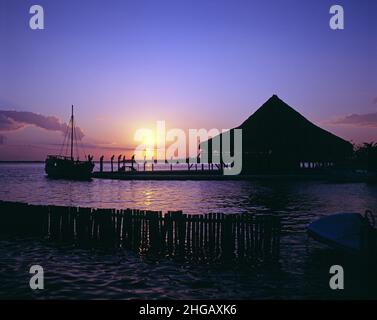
{"x":342,"y":230}
{"x":58,"y":168}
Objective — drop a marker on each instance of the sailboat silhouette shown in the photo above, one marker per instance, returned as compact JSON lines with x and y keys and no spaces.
{"x":66,"y":167}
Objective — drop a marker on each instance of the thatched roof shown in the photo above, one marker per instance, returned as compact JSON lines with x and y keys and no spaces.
{"x":276,"y":127}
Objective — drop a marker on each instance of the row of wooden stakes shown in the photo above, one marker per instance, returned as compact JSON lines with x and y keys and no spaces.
{"x":208,"y":237}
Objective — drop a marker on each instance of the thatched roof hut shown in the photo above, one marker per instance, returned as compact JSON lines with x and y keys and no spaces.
{"x":278,"y":137}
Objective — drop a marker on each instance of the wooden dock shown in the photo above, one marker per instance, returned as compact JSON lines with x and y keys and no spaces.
{"x":209,"y":237}
{"x":162,"y":175}
{"x":205,"y":176}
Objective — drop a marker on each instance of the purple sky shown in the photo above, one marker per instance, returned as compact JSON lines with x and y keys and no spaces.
{"x":199,"y":63}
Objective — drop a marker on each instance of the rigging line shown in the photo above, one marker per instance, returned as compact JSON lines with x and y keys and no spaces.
{"x":73,"y":125}
{"x":64,"y":141}
{"x":79,"y":142}
{"x":66,"y":146}
{"x":77,"y":147}
{"x":68,"y":152}
{"x":69,"y":138}
{"x":82,"y":147}
{"x":74,"y":140}
{"x":62,"y":147}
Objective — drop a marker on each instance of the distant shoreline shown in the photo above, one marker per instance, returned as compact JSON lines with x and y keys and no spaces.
{"x":22,"y":161}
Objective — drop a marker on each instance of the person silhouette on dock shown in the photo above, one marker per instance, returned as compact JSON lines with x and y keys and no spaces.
{"x":119,"y":159}
{"x":133,"y":162}
{"x":101,"y":163}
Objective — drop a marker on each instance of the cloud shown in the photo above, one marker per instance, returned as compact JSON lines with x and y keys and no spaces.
{"x":359,"y":120}
{"x":14,"y":120}
{"x":3,"y":139}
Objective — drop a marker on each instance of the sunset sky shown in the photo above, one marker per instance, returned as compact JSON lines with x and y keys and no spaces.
{"x":126,"y":64}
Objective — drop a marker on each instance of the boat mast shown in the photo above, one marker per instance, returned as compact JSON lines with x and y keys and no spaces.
{"x":72,"y":134}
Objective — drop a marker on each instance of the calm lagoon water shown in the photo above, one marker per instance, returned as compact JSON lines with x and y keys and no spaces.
{"x":302,"y":271}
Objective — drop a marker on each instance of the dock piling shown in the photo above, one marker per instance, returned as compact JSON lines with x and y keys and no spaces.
{"x":208,"y":237}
